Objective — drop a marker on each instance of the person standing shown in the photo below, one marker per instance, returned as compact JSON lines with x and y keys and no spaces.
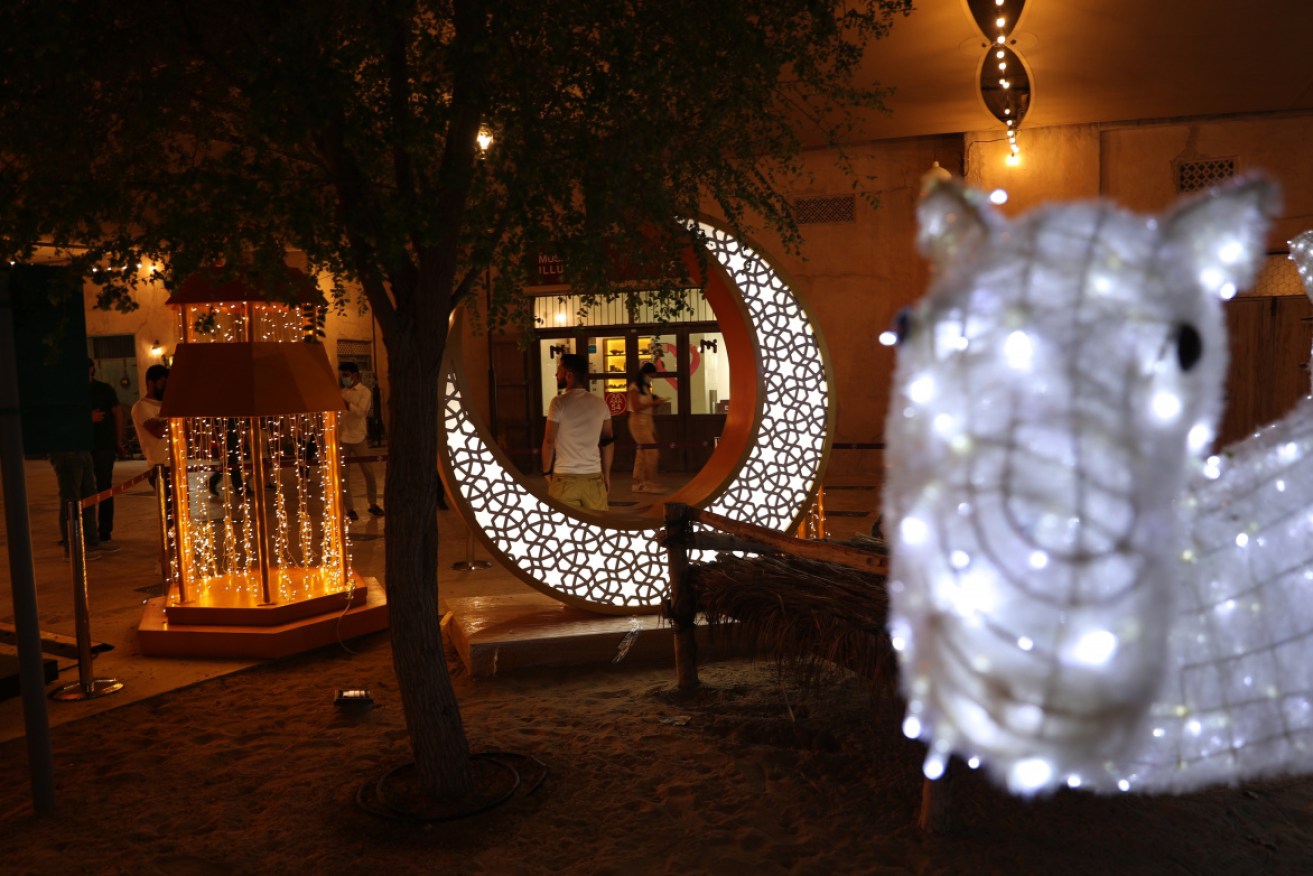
{"x":353,"y":434}
{"x":642,"y":428}
{"x":152,"y":435}
{"x":577,"y":444}
{"x":106,"y":445}
{"x":151,"y":428}
{"x":75,"y":475}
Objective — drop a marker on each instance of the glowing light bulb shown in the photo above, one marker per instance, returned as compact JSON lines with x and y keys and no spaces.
{"x":914,"y":531}
{"x":912,"y":727}
{"x":922,"y":389}
{"x":888,"y":338}
{"x":1030,"y":775}
{"x":1230,"y":252}
{"x":998,"y":197}
{"x":1166,"y":406}
{"x":1095,"y":648}
{"x":1019,"y":351}
{"x":1000,"y":21}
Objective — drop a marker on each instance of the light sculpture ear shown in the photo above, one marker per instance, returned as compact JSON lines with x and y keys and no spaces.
{"x":953,"y":221}
{"x":1220,"y":235}
{"x":1301,"y":253}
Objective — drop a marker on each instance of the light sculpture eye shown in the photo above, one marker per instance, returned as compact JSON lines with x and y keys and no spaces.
{"x":1189,"y":346}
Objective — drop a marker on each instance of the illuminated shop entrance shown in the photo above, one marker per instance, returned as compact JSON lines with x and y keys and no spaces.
{"x":689,"y":355}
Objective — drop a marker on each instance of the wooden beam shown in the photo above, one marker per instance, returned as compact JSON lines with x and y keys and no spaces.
{"x":824,"y":551}
{"x":53,"y":643}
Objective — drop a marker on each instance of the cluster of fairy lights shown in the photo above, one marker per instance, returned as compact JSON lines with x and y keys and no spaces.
{"x":1080,"y":593}
{"x":236,"y":322}
{"x":1301,"y":253}
{"x":218,"y":532}
{"x":1003,"y":82}
{"x":586,"y":560}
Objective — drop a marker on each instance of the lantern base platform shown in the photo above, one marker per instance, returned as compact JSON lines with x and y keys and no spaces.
{"x":495,"y":634}
{"x":235,"y":607}
{"x":161,"y":635}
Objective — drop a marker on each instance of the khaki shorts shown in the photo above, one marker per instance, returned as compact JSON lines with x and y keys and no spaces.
{"x":586,"y":491}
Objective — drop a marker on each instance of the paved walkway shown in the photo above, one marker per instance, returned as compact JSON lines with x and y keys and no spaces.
{"x":121,"y":582}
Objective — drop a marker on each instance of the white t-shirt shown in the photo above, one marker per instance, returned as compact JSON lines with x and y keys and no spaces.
{"x":156,"y":450}
{"x":579,"y":416}
{"x":351,"y":428}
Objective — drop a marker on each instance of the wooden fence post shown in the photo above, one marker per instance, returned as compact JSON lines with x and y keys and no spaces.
{"x":937,"y":816}
{"x":682,"y":607}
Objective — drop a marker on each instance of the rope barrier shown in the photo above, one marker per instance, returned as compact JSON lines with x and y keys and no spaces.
{"x":118,"y":489}
{"x":115,"y":490}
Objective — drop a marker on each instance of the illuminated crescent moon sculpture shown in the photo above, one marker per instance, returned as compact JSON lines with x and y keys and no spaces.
{"x":765,"y":469}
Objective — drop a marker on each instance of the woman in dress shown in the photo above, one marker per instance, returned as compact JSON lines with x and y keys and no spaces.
{"x":642,"y":429}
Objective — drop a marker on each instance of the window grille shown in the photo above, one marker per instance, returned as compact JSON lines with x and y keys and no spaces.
{"x":814,"y":211}
{"x":360,"y":352}
{"x":563,"y":311}
{"x":1195,"y":176}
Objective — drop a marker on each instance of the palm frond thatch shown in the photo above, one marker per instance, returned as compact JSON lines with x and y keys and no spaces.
{"x":800,"y":610}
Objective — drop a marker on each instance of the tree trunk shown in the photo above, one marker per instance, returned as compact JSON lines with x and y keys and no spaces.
{"x":437,"y":734}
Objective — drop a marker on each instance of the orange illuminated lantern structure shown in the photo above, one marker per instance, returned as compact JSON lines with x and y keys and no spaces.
{"x":258,"y":551}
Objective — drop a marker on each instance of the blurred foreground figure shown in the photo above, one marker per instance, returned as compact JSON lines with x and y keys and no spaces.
{"x":1080,"y":594}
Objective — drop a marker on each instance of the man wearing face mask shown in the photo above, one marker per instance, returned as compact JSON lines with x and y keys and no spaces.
{"x":352,"y":432}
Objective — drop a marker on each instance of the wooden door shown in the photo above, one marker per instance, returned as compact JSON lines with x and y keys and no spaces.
{"x":1270,"y":337}
{"x":513,"y":426}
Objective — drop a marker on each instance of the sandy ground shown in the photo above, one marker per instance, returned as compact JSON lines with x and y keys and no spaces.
{"x":257,"y":772}
{"x":250,"y":768}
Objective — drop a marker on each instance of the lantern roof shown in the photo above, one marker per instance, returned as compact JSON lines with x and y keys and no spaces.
{"x":204,"y":287}
{"x":255,"y":379}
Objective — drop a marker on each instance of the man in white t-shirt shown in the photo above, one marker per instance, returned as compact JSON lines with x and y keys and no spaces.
{"x":577,"y":446}
{"x":152,"y":429}
{"x":352,"y":432}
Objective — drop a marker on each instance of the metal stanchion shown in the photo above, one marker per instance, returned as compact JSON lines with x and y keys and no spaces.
{"x":162,"y":504}
{"x":469,"y":564}
{"x":86,"y":687}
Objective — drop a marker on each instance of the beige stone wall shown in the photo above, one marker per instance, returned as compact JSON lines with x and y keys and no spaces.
{"x":857,"y":275}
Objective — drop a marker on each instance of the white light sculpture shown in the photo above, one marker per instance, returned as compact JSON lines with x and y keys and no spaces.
{"x":589,"y":560}
{"x":1079,"y":595}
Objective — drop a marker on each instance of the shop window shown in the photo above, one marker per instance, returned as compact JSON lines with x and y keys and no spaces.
{"x":663,"y":351}
{"x":708,"y":373}
{"x":548,"y":351}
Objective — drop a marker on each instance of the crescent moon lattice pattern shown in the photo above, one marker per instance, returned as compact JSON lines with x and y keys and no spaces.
{"x":778,"y":478}
{"x":624,"y":568}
